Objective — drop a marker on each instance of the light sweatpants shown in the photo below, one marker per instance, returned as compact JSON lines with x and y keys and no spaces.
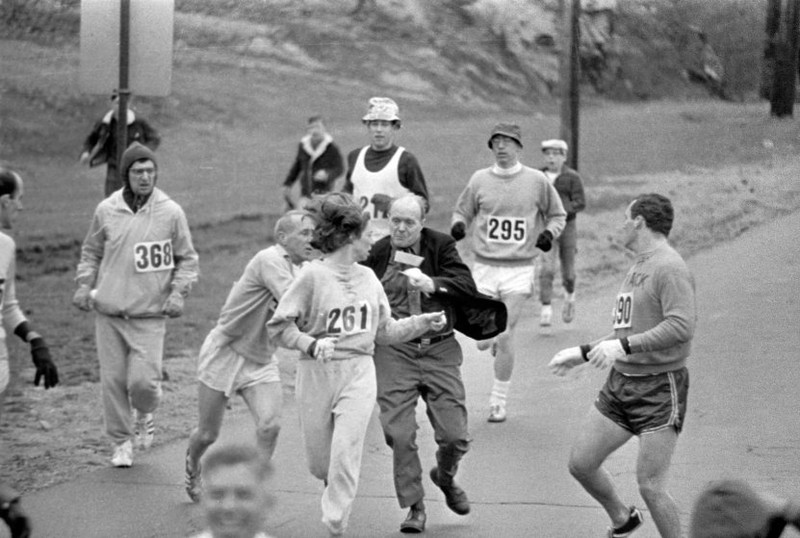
{"x":130,"y":352}
{"x":335,"y":402}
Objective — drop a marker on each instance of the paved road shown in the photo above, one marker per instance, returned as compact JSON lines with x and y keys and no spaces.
{"x":743,"y":421}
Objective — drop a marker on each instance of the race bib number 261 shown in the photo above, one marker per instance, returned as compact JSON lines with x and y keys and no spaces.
{"x":351,"y":319}
{"x":152,"y":256}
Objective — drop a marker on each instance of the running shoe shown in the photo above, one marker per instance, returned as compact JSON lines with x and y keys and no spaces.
{"x":123,"y":454}
{"x":568,"y":311}
{"x":546,"y":315}
{"x":635,"y":520}
{"x":144,"y":429}
{"x":194,"y":484}
{"x":497,"y":413}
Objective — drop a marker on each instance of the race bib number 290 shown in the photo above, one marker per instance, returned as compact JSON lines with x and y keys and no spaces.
{"x":623,"y":311}
{"x":153,"y":256}
{"x":506,"y":229}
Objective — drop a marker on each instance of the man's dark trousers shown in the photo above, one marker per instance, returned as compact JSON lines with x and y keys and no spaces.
{"x":404,"y":373}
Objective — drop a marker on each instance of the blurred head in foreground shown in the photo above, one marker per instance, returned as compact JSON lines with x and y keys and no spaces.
{"x":235,"y":498}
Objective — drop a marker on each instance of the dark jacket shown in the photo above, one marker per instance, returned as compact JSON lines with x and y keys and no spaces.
{"x":102,"y":141}
{"x":570,"y":188}
{"x":474,"y":314}
{"x":310,"y":160}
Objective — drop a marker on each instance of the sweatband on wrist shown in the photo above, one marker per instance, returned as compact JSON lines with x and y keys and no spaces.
{"x":312,"y":348}
{"x":626,"y":345}
{"x":24,"y":332}
{"x":585,"y":349}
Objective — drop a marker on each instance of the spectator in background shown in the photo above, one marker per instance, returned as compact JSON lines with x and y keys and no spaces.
{"x":235,"y":499}
{"x":11,"y":190}
{"x":732,"y":509}
{"x":318,"y":164}
{"x":136,"y":267}
{"x":569,"y":186}
{"x":101,"y":144}
{"x":382,"y":171}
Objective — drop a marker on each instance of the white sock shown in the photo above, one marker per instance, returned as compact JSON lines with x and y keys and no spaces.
{"x":499,"y":392}
{"x":569,"y":296}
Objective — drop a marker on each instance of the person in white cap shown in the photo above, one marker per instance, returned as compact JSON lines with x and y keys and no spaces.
{"x":516,"y":212}
{"x":100,"y":145}
{"x":382,"y":171}
{"x":570,"y":188}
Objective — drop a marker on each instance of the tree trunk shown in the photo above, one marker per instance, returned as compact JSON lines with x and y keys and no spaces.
{"x":785,"y":79}
{"x":770,"y":44}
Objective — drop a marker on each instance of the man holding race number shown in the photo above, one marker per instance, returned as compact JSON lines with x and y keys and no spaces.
{"x":137,"y":265}
{"x":654,"y":318}
{"x":515,"y":211}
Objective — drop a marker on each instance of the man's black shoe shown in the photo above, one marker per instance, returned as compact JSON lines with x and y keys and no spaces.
{"x":454,"y":496}
{"x":415,"y":521}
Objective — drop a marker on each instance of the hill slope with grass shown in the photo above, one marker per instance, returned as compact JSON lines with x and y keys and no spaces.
{"x":246,"y":75}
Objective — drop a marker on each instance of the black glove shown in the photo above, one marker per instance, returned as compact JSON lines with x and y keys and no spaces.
{"x":545,"y":241}
{"x":45,"y":368}
{"x":16,"y":520}
{"x":458,"y":231}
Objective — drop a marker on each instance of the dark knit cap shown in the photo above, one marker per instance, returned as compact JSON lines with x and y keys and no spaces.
{"x":135,"y":152}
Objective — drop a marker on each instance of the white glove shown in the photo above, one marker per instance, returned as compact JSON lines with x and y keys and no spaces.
{"x":323,"y":351}
{"x":605,"y":353}
{"x":436,"y":321}
{"x":565,"y":360}
{"x":419,"y":280}
{"x":83,"y":298}
{"x":173,"y":306}
{"x":321,"y":175}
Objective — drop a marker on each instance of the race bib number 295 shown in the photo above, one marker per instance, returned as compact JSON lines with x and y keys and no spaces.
{"x":506,"y":229}
{"x":152,"y":256}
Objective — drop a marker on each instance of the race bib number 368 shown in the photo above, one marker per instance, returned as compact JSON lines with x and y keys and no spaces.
{"x":153,"y":256}
{"x":506,"y":229}
{"x":623,"y":311}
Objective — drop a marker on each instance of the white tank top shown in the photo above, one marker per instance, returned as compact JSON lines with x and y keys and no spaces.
{"x":367,"y":184}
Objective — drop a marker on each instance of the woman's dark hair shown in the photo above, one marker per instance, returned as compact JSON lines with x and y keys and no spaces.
{"x":339,"y":219}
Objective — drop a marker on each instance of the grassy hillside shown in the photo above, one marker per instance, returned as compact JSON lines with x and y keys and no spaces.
{"x":230,"y":129}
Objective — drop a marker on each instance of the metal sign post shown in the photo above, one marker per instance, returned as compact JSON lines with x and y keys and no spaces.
{"x":126,"y":47}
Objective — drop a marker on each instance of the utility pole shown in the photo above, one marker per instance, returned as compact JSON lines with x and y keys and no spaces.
{"x":123,"y":89}
{"x":569,"y":77}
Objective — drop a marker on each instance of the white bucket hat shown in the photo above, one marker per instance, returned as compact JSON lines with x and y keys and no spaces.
{"x":382,"y":108}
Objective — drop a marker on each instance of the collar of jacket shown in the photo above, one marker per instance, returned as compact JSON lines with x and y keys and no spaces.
{"x":320,"y":149}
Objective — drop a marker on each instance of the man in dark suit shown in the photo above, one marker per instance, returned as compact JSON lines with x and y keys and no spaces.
{"x":421,"y":271}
